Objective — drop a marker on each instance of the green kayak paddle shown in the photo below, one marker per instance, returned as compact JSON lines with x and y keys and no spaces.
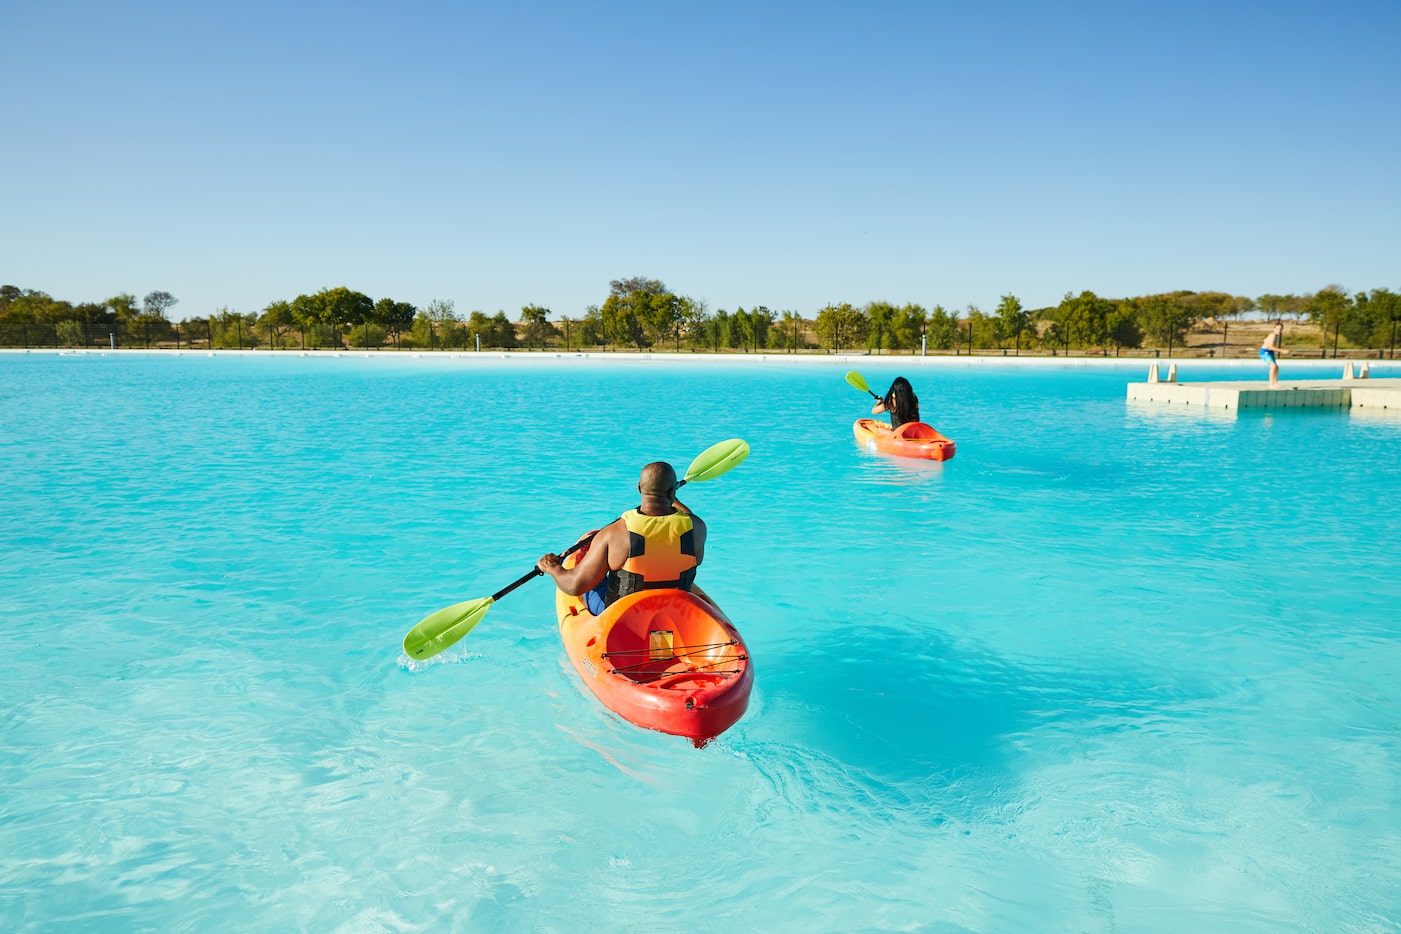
{"x":856,"y":380}
{"x":440,"y":630}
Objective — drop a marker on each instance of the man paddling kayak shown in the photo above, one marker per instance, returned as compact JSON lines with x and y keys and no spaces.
{"x":658,"y":544}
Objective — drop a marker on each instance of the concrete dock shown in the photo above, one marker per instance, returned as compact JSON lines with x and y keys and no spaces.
{"x":1354,"y":391}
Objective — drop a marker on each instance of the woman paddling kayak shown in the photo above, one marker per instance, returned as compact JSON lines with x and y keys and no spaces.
{"x":900,"y":402}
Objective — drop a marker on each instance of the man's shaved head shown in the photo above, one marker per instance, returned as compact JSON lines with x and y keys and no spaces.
{"x":658,"y":479}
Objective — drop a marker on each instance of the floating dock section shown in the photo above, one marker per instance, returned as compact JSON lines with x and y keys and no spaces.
{"x":1355,"y":391}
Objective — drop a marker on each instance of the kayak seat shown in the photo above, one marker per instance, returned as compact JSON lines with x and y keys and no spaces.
{"x":918,"y":431}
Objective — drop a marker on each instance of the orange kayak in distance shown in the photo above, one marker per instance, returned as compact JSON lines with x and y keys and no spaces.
{"x":666,"y":660}
{"x":912,"y":439}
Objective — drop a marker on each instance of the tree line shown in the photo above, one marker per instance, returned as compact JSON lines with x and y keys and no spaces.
{"x":643,"y":314}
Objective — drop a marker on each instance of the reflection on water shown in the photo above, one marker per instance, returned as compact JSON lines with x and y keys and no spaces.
{"x":1164,"y":414}
{"x":1375,"y":413}
{"x":879,"y":468}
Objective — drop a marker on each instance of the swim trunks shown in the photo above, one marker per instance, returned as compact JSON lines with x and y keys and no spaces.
{"x":1267,"y":355}
{"x":596,"y":599}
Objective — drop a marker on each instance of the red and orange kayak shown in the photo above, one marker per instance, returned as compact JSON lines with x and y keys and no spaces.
{"x":666,"y":660}
{"x":912,"y":439}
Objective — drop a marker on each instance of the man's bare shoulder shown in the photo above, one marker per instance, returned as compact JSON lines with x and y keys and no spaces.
{"x":614,"y":537}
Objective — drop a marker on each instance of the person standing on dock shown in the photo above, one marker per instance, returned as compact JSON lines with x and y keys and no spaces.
{"x":1271,"y":347}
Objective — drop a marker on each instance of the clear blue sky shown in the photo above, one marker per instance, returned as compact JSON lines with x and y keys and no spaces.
{"x":784,"y":154}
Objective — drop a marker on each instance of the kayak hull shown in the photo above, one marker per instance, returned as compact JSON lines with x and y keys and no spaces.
{"x":912,"y":439}
{"x":666,"y":660}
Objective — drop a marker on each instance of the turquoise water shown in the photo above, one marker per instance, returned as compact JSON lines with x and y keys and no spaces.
{"x":1112,"y":668}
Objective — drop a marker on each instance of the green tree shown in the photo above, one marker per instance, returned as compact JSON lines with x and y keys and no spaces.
{"x":367,"y":334}
{"x":151,"y":329}
{"x":1270,"y":305}
{"x":1124,"y":330}
{"x":396,"y":318}
{"x":788,"y":332}
{"x":501,"y":333}
{"x":719,"y":330}
{"x":1331,"y":307}
{"x":978,"y":329}
{"x":621,"y":324}
{"x":152,"y":325}
{"x":637,"y":312}
{"x":1388,"y":305}
{"x":1084,"y":319}
{"x":761,"y":321}
{"x":690,"y":325}
{"x":440,"y":316}
{"x":69,"y":333}
{"x":124,"y":306}
{"x":342,"y":308}
{"x":95,"y":320}
{"x":306,"y":315}
{"x":1164,"y":318}
{"x":48,"y":314}
{"x":907,"y":325}
{"x":1054,"y":336}
{"x":24,"y":316}
{"x":750,"y":329}
{"x":277,"y":323}
{"x":941,"y":331}
{"x":624,"y":287}
{"x":124,"y":311}
{"x":880,"y":317}
{"x":478,"y":330}
{"x":591,"y":330}
{"x":233,"y":330}
{"x":1207,"y":304}
{"x":741,"y":331}
{"x":196,"y":329}
{"x":633,"y":318}
{"x":1376,"y":319}
{"x":659,"y":314}
{"x":1012,"y":320}
{"x":839,"y":326}
{"x":537,"y":329}
{"x":1239,"y":305}
{"x":156,"y":304}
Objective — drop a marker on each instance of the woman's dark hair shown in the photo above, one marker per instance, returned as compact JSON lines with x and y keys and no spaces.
{"x":902,"y":401}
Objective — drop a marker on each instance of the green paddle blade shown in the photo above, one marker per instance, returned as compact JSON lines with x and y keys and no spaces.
{"x":716,"y":460}
{"x":443,"y":628}
{"x":854,"y":378}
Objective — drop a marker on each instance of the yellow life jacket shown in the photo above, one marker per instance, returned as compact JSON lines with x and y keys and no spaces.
{"x":661,"y":553}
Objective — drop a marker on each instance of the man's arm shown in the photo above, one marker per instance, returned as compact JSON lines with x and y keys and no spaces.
{"x":585,"y":574}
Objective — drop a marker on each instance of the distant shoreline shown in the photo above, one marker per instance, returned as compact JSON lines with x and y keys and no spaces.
{"x":849,"y":360}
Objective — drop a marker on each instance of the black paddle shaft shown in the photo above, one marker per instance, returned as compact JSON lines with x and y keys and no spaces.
{"x":536,"y":572}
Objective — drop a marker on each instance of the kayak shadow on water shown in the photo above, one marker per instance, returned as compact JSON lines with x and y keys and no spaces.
{"x":900,"y":707}
{"x":918,"y":722}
